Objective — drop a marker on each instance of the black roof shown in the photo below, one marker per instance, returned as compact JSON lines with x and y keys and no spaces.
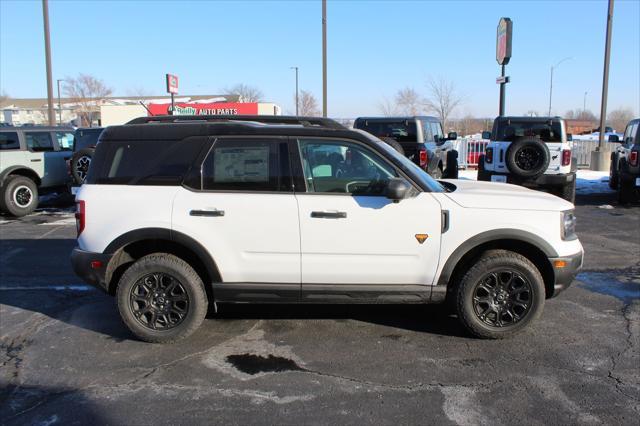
{"x":528,"y":118}
{"x":37,"y":128}
{"x":401,"y":118}
{"x":182,"y":126}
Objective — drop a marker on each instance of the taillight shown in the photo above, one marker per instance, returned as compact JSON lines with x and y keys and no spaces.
{"x":488,"y":155}
{"x":566,"y":157}
{"x":633,"y":158}
{"x":80,"y":216}
{"x":424,"y":158}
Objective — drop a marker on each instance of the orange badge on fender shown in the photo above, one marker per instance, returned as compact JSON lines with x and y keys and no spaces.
{"x":421,"y":238}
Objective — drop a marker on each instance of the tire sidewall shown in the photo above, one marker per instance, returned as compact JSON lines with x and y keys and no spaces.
{"x":452,"y":165}
{"x":190,"y":281}
{"x":85,"y":152}
{"x":12,"y":184}
{"x":516,"y":146}
{"x":494,"y":264}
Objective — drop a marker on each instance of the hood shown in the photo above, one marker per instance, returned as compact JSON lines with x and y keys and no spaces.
{"x":501,"y":196}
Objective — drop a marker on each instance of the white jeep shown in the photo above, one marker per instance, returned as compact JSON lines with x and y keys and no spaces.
{"x":530,"y":151}
{"x":300,"y":210}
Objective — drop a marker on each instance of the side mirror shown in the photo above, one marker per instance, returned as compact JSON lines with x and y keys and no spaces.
{"x":397,"y":189}
{"x":569,"y":137}
{"x":452,"y":136}
{"x":614,"y":138}
{"x":486,"y":135}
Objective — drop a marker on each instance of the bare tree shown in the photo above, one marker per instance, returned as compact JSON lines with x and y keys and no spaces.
{"x":245,"y":92}
{"x":532,"y":113}
{"x":387,"y":107}
{"x":409,"y":101}
{"x":442,"y":99}
{"x":138,"y":92}
{"x":4,"y":98}
{"x":308,"y":104}
{"x":87,"y":91}
{"x":579,"y":114}
{"x":618,"y":118}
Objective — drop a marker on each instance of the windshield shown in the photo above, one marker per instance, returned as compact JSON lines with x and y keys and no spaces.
{"x":400,"y":130}
{"x":510,"y":130}
{"x":408,"y":166}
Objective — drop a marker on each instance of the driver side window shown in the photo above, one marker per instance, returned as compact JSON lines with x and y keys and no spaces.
{"x":343,"y":167}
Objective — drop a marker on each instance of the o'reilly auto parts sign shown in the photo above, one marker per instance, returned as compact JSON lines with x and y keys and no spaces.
{"x":194,"y":108}
{"x":503,"y":41}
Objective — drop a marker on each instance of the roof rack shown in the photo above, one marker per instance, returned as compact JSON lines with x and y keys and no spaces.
{"x":266,"y":119}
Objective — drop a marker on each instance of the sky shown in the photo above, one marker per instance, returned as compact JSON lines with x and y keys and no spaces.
{"x":375,"y":48}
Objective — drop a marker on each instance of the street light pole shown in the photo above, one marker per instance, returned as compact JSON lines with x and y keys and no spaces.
{"x":297,"y":103}
{"x":47,"y":54}
{"x":324,"y":58}
{"x":605,"y":77}
{"x":551,"y":81}
{"x":59,"y":104}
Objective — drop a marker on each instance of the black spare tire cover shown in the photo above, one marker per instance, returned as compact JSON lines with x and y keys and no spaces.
{"x":527,"y":157}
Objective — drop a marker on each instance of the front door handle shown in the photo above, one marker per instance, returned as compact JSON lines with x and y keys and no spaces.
{"x":207,"y":213}
{"x":329,"y":215}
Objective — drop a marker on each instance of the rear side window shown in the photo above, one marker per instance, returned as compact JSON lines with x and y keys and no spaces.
{"x":144,"y":162}
{"x":65,"y":141}
{"x":9,"y":140}
{"x":245,"y":165}
{"x":86,"y":138}
{"x":39,"y":141}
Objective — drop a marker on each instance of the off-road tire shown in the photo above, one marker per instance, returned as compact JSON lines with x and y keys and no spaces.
{"x":393,"y":144}
{"x":535,"y":145}
{"x":191,"y":282}
{"x":494,"y":261}
{"x":452,"y":165}
{"x":568,"y":191}
{"x":78,"y":160}
{"x":14,"y":190}
{"x":482,"y":174}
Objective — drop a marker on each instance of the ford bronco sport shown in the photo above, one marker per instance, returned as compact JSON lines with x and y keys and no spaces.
{"x":303,"y":210}
{"x":32,"y":160}
{"x":420,"y":139}
{"x":531,"y":151}
{"x":624,"y":173}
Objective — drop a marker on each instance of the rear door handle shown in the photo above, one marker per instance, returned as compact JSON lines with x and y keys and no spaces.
{"x":207,"y":213}
{"x":35,"y":160}
{"x":329,"y":215}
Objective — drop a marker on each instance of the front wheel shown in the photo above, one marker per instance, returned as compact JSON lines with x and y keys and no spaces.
{"x":500,"y":295}
{"x":161,"y":298}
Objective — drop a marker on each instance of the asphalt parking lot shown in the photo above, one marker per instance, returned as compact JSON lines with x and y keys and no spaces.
{"x":66,"y":358}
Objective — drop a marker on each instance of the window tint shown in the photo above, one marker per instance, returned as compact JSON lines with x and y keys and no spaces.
{"x":9,"y":140}
{"x":343,"y":167}
{"x":39,"y":141}
{"x":436,"y":129}
{"x":426,"y":129}
{"x":548,"y":131}
{"x":65,"y":140}
{"x":400,"y":130}
{"x":86,"y":138}
{"x":244,"y":165}
{"x":630,"y":134}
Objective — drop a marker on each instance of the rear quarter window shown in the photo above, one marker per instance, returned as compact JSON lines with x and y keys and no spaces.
{"x":143,"y":162}
{"x":9,"y":140}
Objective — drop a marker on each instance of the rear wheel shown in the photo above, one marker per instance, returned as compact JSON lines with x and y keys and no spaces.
{"x":500,"y":295}
{"x":19,"y":196}
{"x":482,"y":174}
{"x":161,"y":298}
{"x":452,"y":165}
{"x":80,"y":163}
{"x":613,"y":171}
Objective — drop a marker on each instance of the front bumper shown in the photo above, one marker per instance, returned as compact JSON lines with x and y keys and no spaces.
{"x":564,"y":276}
{"x":91,"y":267}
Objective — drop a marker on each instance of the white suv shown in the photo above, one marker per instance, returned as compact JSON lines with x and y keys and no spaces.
{"x":530,"y":151}
{"x":179,"y":213}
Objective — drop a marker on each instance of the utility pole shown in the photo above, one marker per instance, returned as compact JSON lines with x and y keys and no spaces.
{"x":59,"y":104}
{"x":605,"y":77}
{"x":551,"y":81}
{"x":47,"y":54}
{"x":297,"y":103}
{"x":324,"y":58}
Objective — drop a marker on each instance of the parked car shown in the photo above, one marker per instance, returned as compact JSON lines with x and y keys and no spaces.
{"x":422,"y":141}
{"x":179,"y":213}
{"x":530,"y":151}
{"x":32,"y":162}
{"x":86,"y":140}
{"x":624,"y":173}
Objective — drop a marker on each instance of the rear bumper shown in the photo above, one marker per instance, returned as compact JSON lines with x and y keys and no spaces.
{"x":540,"y":181}
{"x":564,"y":276}
{"x":85,"y":265}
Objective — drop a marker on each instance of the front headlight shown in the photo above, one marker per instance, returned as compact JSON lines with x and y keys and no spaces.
{"x":568,"y":225}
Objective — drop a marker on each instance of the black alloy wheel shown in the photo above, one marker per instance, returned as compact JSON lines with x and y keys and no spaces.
{"x":528,"y":158}
{"x":502,"y":298}
{"x":159,"y":301}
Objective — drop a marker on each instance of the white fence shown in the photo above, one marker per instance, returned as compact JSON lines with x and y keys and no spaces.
{"x":469,"y":149}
